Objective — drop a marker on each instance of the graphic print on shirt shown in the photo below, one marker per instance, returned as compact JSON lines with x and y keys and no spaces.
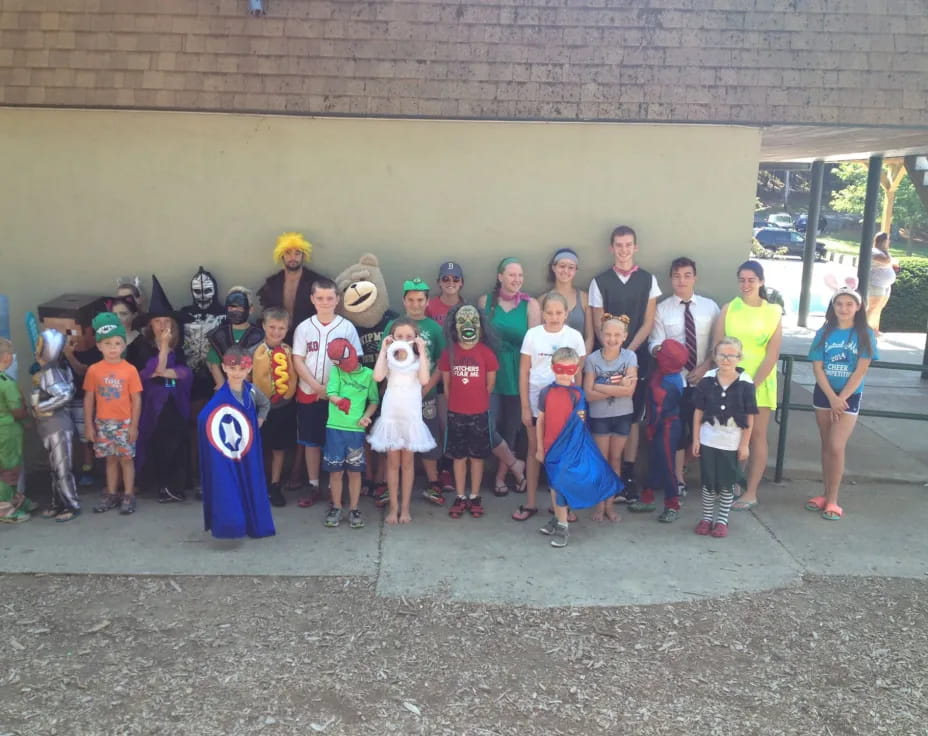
{"x":606,"y":376}
{"x":111,"y":388}
{"x":840,"y":355}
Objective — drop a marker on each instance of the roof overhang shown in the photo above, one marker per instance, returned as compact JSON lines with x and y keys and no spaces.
{"x":807,"y":143}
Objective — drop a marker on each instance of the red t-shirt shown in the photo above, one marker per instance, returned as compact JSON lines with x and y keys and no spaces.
{"x":557,"y":403}
{"x":468,"y":389}
{"x":436,"y":309}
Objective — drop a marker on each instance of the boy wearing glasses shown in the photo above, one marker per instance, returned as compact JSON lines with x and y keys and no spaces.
{"x":725,"y":406}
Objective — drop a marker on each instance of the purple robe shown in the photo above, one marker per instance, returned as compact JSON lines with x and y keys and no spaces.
{"x":156,"y":392}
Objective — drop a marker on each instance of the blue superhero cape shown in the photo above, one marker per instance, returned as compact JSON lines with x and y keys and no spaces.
{"x":235,"y":501}
{"x":576,"y":468}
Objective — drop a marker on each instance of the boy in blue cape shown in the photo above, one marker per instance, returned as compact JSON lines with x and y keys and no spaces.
{"x":579,"y":475}
{"x":235,"y":499}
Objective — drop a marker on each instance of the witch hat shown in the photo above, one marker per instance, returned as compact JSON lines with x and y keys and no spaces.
{"x":159,"y":306}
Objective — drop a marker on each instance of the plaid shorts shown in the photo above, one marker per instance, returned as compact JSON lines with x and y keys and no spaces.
{"x":113,"y":438}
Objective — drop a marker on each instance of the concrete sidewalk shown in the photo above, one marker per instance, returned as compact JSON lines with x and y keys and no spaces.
{"x":494,"y":559}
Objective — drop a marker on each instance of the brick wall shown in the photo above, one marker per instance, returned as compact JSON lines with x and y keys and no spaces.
{"x":751,"y":61}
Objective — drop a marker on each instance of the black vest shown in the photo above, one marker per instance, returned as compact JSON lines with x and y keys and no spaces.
{"x":221,"y":338}
{"x":630,"y":299}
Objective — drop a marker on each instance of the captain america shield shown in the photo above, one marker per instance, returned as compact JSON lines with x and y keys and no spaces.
{"x":229,"y":431}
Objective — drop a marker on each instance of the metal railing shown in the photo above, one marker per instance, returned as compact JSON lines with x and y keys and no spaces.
{"x":785,"y":405}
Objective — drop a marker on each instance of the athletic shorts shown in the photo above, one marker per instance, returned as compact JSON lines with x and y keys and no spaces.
{"x":310,"y":423}
{"x":620,"y":425}
{"x":279,"y":429}
{"x":719,"y":468}
{"x":112,"y":438}
{"x":430,"y":417}
{"x":820,"y":401}
{"x":468,"y":435}
{"x":344,"y":450}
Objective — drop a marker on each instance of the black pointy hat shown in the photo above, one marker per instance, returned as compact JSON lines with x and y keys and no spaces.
{"x":159,"y":306}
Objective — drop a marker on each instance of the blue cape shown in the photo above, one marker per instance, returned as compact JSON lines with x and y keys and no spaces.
{"x":576,"y":469}
{"x":235,"y":501}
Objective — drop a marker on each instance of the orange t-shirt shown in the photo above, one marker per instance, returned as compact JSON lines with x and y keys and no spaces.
{"x":112,"y":385}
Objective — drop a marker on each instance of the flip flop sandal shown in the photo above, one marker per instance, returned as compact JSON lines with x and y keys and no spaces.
{"x":500,"y":490}
{"x":68,"y":515}
{"x":832,"y":512}
{"x":50,"y":513}
{"x":523,"y":513}
{"x":521,"y":485}
{"x":743,"y":505}
{"x":816,"y":504}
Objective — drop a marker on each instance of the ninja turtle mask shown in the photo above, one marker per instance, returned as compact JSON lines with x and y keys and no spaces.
{"x":203,"y":289}
{"x":237,"y":308}
{"x":343,"y":354}
{"x":467,"y":325}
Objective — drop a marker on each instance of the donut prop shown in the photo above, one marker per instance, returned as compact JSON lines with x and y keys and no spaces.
{"x":400,"y":346}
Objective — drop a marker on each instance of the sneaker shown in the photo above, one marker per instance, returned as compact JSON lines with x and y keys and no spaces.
{"x":720,"y":530}
{"x":550,"y":527}
{"x":382,"y":499}
{"x":333,"y":518}
{"x":107,"y":501}
{"x":668,"y":516}
{"x":559,"y":537}
{"x":276,"y":495}
{"x":475,"y":506}
{"x":703,"y":527}
{"x":446,"y":481}
{"x":166,"y":495}
{"x":308,"y":500}
{"x":682,"y":490}
{"x":640,"y":507}
{"x":433,"y":494}
{"x":128,"y":505}
{"x":458,"y":507}
{"x":355,"y":518}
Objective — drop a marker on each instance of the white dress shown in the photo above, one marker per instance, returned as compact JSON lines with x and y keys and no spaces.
{"x":400,"y":425}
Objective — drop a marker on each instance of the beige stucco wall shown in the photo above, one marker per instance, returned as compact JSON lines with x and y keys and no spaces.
{"x":89,"y":195}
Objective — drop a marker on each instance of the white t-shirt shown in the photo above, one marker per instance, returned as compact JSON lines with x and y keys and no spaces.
{"x":596,"y":298}
{"x":310,"y":340}
{"x":540,"y":345}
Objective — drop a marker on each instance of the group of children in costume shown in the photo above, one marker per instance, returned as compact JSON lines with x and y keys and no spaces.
{"x":320,"y":394}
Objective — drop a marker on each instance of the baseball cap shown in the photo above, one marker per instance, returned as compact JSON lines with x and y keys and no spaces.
{"x":450,"y":268}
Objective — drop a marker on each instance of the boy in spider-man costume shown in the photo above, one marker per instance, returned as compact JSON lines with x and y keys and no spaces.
{"x":665,"y":389}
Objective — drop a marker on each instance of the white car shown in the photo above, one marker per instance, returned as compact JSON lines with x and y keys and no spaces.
{"x":781,"y":219}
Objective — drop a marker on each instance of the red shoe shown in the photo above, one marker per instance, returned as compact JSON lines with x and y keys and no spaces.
{"x":475,"y":506}
{"x":309,"y":499}
{"x":433,"y":494}
{"x":704,"y":527}
{"x":720,"y":530}
{"x":446,"y":482}
{"x":458,"y":508}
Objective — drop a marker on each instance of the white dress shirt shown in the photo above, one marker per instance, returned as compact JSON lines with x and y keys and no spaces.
{"x":669,"y":323}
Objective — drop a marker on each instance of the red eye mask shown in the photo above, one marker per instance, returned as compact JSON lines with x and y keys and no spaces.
{"x":564,"y":369}
{"x":234,"y":361}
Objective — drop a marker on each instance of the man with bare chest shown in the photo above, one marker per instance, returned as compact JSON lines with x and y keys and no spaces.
{"x":290,"y":287}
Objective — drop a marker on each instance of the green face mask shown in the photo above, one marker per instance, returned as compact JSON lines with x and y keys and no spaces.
{"x":467,"y":324}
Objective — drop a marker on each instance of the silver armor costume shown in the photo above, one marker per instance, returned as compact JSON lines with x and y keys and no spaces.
{"x":53,"y":389}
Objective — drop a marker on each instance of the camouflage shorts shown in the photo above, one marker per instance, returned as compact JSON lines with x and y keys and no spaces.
{"x":113,"y":438}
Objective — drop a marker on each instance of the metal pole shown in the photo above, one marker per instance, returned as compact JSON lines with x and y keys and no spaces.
{"x":784,"y":417}
{"x":874,"y":172}
{"x":808,"y":255}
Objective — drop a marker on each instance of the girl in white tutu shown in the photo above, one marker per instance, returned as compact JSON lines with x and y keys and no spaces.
{"x":400,"y":431}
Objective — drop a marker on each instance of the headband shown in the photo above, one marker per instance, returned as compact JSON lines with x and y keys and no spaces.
{"x":623,"y":318}
{"x":507,"y":262}
{"x":847,"y":291}
{"x":566,"y":255}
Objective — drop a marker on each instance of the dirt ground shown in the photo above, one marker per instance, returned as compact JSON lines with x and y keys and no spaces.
{"x":224,"y":656}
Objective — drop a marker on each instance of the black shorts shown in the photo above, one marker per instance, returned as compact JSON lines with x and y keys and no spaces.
{"x":279,"y":430}
{"x":310,"y":423}
{"x":468,"y":435}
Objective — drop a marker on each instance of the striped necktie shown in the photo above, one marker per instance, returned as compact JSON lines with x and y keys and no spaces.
{"x":689,"y":326}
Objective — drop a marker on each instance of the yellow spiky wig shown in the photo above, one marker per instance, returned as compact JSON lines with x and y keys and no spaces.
{"x":292,"y":241}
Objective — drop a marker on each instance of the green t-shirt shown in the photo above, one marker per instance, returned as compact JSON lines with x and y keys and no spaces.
{"x":214,"y":357}
{"x":359,"y":388}
{"x":433,"y":336}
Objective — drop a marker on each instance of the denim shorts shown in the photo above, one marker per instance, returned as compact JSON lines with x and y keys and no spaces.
{"x":620,"y":425}
{"x":820,"y":401}
{"x":344,"y":450}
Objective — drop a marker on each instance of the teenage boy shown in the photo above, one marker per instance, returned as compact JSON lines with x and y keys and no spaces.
{"x":628,"y":289}
{"x":687,"y":318}
{"x":311,"y":361}
{"x":415,"y":301}
{"x":112,"y":406}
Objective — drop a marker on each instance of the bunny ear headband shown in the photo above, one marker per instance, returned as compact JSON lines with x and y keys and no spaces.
{"x":847,"y":285}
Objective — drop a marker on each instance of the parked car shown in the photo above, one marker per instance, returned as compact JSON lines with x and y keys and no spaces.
{"x":780,"y":219}
{"x":801,"y":221}
{"x":773,"y":239}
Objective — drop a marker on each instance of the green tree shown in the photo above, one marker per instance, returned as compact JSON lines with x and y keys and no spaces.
{"x":908,"y":210}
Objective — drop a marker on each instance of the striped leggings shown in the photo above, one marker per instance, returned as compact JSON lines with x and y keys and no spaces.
{"x":725,"y":499}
